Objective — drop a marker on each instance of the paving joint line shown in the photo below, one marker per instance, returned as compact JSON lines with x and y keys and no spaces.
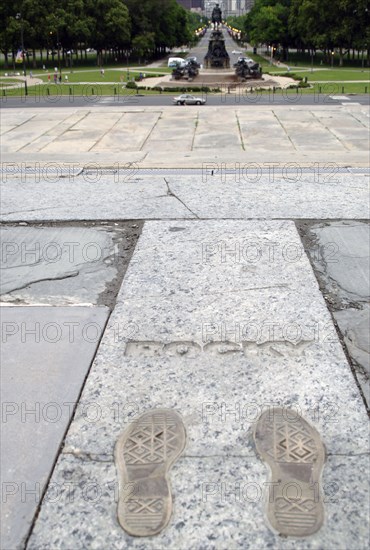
{"x":83,"y":116}
{"x":106,"y":132}
{"x":284,"y":129}
{"x":240,"y":131}
{"x":195,"y":131}
{"x":331,"y":132}
{"x":151,"y":131}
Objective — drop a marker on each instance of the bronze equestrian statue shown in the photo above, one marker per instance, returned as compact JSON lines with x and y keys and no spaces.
{"x":216,"y":16}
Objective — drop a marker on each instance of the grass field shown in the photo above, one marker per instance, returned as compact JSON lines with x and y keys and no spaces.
{"x":93,"y":91}
{"x":88,"y":81}
{"x":326,"y":75}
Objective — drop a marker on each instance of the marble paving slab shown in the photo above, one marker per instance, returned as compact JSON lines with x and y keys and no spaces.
{"x":248,"y":194}
{"x":46,"y":353}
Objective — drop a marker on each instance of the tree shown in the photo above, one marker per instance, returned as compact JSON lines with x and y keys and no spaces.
{"x":111,"y":25}
{"x":166,"y":20}
{"x":143,"y":43}
{"x":324,"y":24}
{"x":10,"y":29}
{"x":267,"y":23}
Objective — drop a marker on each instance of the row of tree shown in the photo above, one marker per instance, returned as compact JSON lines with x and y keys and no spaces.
{"x":143,"y":28}
{"x":309,"y":25}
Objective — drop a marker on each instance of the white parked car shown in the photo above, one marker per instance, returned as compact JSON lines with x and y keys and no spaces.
{"x":186,"y":99}
{"x":246,"y":59}
{"x":236,"y":52}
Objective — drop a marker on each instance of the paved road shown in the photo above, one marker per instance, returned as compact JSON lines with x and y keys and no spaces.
{"x":201,"y":48}
{"x":250,"y":100}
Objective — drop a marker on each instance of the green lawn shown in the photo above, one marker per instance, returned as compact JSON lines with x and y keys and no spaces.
{"x":94,"y":75}
{"x":91,"y":91}
{"x":334,"y":88}
{"x":326,"y":75}
{"x":340,"y":74}
{"x":97,"y":85}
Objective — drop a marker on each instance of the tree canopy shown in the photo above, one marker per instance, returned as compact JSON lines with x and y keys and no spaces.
{"x":327,"y":25}
{"x":145,"y":27}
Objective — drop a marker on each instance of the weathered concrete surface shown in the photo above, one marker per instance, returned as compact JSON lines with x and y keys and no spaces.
{"x":221,"y":333}
{"x":354,"y":325}
{"x":61,"y":265}
{"x":289,"y":133}
{"x":218,"y":503}
{"x":91,"y":198}
{"x":341,"y":257}
{"x":246,"y":194}
{"x":45,"y":355}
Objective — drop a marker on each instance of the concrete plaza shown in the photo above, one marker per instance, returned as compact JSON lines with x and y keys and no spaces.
{"x":210,"y":260}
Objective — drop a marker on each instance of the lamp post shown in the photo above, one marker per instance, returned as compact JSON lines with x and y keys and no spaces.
{"x":57,"y":36}
{"x":19,"y":17}
{"x":332,"y":59}
{"x":127,"y":53}
{"x":311,"y":59}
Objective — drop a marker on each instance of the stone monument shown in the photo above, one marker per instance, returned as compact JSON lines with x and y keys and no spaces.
{"x":247,"y":68}
{"x":217,"y":56}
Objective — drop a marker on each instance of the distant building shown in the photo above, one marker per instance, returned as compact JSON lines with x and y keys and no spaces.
{"x":237,"y":7}
{"x":229,"y":7}
{"x":192,"y":4}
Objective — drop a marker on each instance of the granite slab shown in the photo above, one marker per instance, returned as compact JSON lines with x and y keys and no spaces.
{"x":46,"y":353}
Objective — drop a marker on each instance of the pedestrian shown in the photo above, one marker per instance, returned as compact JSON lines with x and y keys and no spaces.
{"x":60,"y":79}
{"x":66,"y":78}
{"x":43,"y":68}
{"x":102,"y":72}
{"x":31,"y":74}
{"x":55,"y":78}
{"x":48,"y":77}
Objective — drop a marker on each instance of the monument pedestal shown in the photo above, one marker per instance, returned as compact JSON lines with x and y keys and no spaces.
{"x":217,"y":56}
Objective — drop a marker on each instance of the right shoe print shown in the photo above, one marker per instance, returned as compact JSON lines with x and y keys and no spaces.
{"x":295,"y":453}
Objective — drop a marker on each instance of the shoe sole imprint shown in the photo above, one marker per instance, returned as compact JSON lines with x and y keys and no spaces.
{"x":144,"y":454}
{"x":296,"y":455}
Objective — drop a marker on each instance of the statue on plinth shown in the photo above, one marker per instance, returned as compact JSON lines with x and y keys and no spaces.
{"x":216,"y":16}
{"x":247,"y":68}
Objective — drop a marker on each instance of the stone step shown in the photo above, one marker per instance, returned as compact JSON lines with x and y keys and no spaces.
{"x":214,"y":321}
